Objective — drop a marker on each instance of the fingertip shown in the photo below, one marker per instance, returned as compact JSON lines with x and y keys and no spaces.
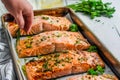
{"x":28,"y":22}
{"x":27,"y":29}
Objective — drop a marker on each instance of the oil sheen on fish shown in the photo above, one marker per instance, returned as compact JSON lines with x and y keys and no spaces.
{"x":51,"y":41}
{"x":41,"y":23}
{"x":61,"y":64}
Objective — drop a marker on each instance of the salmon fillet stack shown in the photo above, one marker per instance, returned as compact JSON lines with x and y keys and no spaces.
{"x":41,"y":23}
{"x":94,"y":77}
{"x":51,"y":41}
{"x":61,"y":64}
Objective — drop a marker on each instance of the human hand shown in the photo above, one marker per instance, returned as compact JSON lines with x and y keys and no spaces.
{"x":22,"y":12}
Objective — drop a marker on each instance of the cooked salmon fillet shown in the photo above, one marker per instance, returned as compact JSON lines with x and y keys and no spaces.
{"x":94,"y":77}
{"x":61,"y":64}
{"x":41,"y":23}
{"x":51,"y":41}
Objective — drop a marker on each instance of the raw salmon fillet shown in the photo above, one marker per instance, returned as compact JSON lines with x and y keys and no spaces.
{"x":41,"y":23}
{"x":51,"y":41}
{"x":94,"y":77}
{"x":61,"y":64}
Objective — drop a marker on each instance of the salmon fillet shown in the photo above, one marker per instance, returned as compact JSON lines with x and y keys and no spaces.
{"x":94,"y":77}
{"x":41,"y":23}
{"x":51,"y":41}
{"x":61,"y":64}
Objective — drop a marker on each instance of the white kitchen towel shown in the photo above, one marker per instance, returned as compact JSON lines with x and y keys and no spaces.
{"x":6,"y":64}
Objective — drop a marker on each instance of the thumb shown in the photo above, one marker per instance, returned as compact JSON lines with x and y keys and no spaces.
{"x":20,"y":20}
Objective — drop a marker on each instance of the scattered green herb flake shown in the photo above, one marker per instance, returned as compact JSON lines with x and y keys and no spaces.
{"x":28,"y":45}
{"x":63,"y":64}
{"x":57,"y":20}
{"x":73,"y":28}
{"x":53,"y":79}
{"x":77,"y":42}
{"x":67,"y":59}
{"x":65,"y":51}
{"x":56,"y":64}
{"x":43,"y":38}
{"x":45,"y":66}
{"x":92,"y":49}
{"x":40,"y":56}
{"x":32,"y":60}
{"x":25,"y":60}
{"x":46,"y":18}
{"x":81,"y":59}
{"x":57,"y":55}
{"x":28,"y":36}
{"x":97,"y":20}
{"x":94,"y":8}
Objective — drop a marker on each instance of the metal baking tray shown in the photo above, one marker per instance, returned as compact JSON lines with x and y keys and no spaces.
{"x":112,"y":65}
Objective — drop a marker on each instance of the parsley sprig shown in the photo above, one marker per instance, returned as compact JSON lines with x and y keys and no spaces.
{"x":73,"y":28}
{"x":99,"y":70}
{"x":95,"y":8}
{"x":92,"y":49}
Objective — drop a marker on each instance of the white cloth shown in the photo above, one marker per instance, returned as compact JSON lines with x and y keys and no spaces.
{"x":6,"y":65}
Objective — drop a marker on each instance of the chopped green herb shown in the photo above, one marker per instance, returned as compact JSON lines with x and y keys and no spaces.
{"x":73,"y":28}
{"x":63,"y":64}
{"x":92,"y":72}
{"x":81,"y":59}
{"x":57,"y":55}
{"x":67,"y":59}
{"x":28,"y":36}
{"x":55,"y":64}
{"x":99,"y":70}
{"x":77,"y":42}
{"x":58,"y":61}
{"x":32,"y":60}
{"x":24,"y":69}
{"x":39,"y":56}
{"x":57,"y":20}
{"x":25,"y":60}
{"x":46,"y":18}
{"x":94,"y":8}
{"x":65,"y":51}
{"x":28,"y":45}
{"x":92,"y":49}
{"x":43,"y":38}
{"x":97,"y":20}
{"x":45,"y":66}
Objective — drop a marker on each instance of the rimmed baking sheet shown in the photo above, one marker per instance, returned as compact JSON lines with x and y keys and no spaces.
{"x":112,"y":65}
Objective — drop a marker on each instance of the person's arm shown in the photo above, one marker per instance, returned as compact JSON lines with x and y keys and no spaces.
{"x":22,"y":12}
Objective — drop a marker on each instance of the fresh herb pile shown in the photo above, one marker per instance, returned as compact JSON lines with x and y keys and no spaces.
{"x":95,"y":8}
